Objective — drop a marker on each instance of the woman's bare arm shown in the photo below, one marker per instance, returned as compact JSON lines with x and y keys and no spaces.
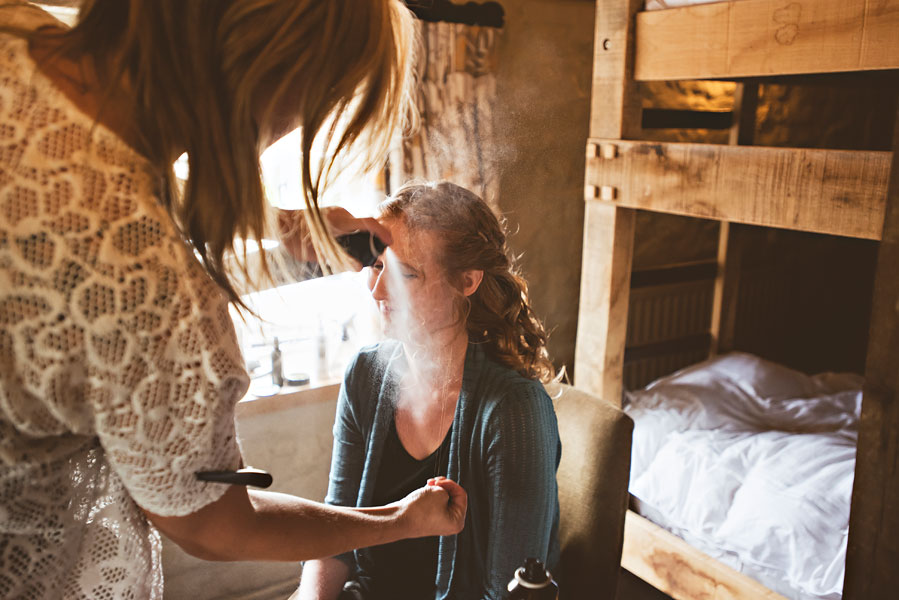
{"x":257,"y":525}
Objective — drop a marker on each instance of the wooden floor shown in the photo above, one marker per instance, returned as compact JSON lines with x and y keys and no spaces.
{"x":630,"y":587}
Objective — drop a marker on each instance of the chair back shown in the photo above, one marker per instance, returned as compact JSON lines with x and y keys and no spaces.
{"x":593,"y":479}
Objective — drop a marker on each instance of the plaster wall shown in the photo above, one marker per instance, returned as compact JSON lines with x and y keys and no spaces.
{"x":542,"y":119}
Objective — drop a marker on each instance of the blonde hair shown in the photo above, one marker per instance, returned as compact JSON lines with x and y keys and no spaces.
{"x":498,"y":314}
{"x":200,"y":73}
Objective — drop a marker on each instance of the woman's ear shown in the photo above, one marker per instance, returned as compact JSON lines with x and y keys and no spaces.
{"x":471,"y":279}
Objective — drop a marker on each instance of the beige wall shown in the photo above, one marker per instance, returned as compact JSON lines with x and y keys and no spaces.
{"x":543,"y":106}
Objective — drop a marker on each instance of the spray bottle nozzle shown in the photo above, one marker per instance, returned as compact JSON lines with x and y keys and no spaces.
{"x":534,"y":571}
{"x":364,"y":246}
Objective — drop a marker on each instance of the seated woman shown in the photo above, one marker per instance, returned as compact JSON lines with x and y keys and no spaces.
{"x":455,"y":393}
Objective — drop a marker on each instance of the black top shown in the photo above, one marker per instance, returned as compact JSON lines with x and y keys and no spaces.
{"x":406,"y":569}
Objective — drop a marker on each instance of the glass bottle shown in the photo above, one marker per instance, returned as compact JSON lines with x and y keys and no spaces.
{"x":277,"y":366}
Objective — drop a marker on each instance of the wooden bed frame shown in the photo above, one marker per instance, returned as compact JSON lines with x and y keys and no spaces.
{"x":844,"y":193}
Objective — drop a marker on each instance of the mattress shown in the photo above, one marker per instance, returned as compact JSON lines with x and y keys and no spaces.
{"x":752,"y":463}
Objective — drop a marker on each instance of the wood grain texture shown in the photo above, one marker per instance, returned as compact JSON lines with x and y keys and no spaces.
{"x":724,"y":301}
{"x":873,"y":550}
{"x":766,"y":37}
{"x":837,"y":192}
{"x":673,"y":566}
{"x":719,"y":321}
{"x":615,"y":107}
{"x":605,"y":288}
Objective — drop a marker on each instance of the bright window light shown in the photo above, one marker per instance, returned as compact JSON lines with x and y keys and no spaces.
{"x":320,"y":323}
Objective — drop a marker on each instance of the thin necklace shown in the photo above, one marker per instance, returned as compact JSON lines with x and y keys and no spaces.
{"x":438,"y":464}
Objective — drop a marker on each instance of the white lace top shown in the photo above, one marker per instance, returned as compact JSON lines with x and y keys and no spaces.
{"x":119,"y":366}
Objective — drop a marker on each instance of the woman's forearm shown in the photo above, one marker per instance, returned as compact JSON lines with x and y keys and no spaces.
{"x":258,"y":525}
{"x":289,"y":528}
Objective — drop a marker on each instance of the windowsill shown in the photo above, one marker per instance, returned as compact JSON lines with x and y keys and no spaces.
{"x":291,"y":396}
{"x":320,"y":324}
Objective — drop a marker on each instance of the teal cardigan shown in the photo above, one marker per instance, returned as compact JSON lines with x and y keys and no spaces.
{"x":504,"y":450}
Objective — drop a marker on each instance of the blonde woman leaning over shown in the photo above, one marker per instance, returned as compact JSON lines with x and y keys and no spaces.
{"x":457,"y":392}
{"x":119,"y":368}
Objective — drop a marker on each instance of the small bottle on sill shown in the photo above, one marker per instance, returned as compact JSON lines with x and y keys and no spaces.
{"x":277,"y":366}
{"x":322,"y":370}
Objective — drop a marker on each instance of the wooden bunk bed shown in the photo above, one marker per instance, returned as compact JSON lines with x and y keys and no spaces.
{"x":837,"y":192}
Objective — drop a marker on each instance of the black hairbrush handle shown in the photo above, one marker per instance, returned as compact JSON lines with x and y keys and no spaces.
{"x":247,"y":476}
{"x":364,"y":246}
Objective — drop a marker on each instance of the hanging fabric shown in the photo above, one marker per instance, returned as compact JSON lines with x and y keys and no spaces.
{"x":455,"y":99}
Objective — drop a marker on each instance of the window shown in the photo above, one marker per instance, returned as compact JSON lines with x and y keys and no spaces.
{"x":319,"y":323}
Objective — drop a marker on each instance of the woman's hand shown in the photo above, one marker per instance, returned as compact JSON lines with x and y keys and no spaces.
{"x":295,"y":234}
{"x":436,"y":509}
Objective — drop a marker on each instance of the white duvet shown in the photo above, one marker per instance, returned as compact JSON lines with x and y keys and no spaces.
{"x":752,"y":463}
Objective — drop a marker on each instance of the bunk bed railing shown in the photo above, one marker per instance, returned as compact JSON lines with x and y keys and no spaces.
{"x":673,"y":566}
{"x":752,"y":38}
{"x":836,"y":192}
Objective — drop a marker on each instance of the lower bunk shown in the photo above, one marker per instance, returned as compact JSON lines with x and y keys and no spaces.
{"x":741,"y":479}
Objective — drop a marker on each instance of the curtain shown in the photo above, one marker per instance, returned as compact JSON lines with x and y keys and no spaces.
{"x":455,"y":97}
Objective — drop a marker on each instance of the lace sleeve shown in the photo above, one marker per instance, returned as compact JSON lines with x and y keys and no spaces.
{"x":169,"y":362}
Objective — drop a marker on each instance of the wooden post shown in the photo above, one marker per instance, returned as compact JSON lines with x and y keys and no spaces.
{"x":605,"y":290}
{"x":742,"y":132}
{"x":614,"y":106}
{"x":608,"y":229}
{"x":872,"y":555}
{"x":746,"y":102}
{"x":719,"y":305}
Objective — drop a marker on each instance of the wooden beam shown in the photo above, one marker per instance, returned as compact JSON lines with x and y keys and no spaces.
{"x":691,"y":344}
{"x":838,"y":192}
{"x":719,"y":307}
{"x":674,"y":273}
{"x":672,"y":118}
{"x":873,"y":550}
{"x":724,"y":300}
{"x":746,"y":102}
{"x":615,"y":105}
{"x":766,"y":37}
{"x":605,"y":289}
{"x":671,"y":565}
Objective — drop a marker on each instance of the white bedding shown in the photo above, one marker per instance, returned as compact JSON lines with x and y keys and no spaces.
{"x":752,"y":463}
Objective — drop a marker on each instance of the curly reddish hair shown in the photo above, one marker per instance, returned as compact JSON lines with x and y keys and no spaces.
{"x":498,"y":314}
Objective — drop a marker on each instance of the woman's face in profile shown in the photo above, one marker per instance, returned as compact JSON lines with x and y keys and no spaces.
{"x":408,"y":284}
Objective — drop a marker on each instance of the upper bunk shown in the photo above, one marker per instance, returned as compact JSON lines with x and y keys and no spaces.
{"x":838,"y":192}
{"x":759,"y":38}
